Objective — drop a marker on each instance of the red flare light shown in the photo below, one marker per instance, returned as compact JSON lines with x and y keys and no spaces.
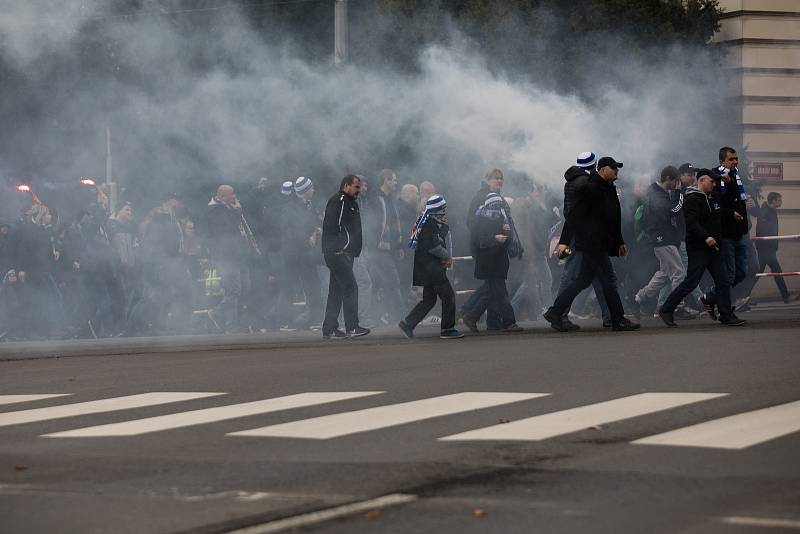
{"x":87,"y":181}
{"x":24,"y":188}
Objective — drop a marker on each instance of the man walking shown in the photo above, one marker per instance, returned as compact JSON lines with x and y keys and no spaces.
{"x":704,"y":228}
{"x":661,"y":214}
{"x":341,"y":243}
{"x":597,"y":221}
{"x":768,"y":249}
{"x":734,"y":244}
{"x":431,"y":261}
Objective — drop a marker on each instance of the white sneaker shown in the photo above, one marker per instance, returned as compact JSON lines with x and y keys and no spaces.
{"x":431,"y":320}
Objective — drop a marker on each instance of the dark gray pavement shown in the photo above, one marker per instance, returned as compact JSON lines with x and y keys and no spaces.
{"x":198,"y":479}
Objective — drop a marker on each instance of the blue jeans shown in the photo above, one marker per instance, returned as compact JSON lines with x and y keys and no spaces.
{"x":734,"y":263}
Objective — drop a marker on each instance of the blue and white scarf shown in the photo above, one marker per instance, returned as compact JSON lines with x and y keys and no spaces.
{"x":495,"y":207}
{"x":434,"y":207}
{"x":735,"y":173}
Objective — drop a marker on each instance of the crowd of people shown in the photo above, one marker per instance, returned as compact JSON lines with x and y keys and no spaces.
{"x":280,"y":259}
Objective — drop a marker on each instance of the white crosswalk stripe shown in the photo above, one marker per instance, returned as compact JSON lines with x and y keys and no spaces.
{"x":735,"y":432}
{"x":98,"y":406}
{"x":210,"y":415}
{"x":566,"y":421}
{"x":342,"y":424}
{"x":12,"y":399}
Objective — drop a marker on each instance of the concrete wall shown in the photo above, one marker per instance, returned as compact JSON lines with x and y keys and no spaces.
{"x":763,"y":39}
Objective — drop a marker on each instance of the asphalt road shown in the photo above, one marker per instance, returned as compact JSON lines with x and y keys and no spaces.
{"x":268,"y":433}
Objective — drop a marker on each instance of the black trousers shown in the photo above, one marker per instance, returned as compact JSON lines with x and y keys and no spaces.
{"x":591,"y":265}
{"x":342,"y":294}
{"x":699,"y":262}
{"x":769,"y":257}
{"x":493,"y":298}
{"x":429,"y":293}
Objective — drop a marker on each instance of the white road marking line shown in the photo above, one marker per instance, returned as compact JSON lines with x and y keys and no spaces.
{"x":554,"y":424}
{"x":761,"y":522}
{"x":734,"y":432}
{"x":210,"y":415}
{"x":98,"y":406}
{"x":342,"y":424}
{"x":314,"y":518}
{"x":11,"y":399}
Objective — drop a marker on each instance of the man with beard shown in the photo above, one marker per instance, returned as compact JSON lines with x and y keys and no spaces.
{"x":341,"y":244}
{"x":597,"y":222}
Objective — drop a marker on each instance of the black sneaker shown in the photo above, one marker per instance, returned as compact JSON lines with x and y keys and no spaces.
{"x":684,"y":314}
{"x":407,"y":330}
{"x":555,"y":321}
{"x":336,"y":334}
{"x":709,"y":307}
{"x":668,"y":319}
{"x":571,"y":327}
{"x":625,"y":325}
{"x":607,"y":324}
{"x":734,"y":321}
{"x":470,"y":323}
{"x":358,"y":331}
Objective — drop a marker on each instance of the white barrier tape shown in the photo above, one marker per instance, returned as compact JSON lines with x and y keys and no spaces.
{"x":774,"y":237}
{"x":778,"y":274}
{"x":465,"y":292}
{"x":461,"y":258}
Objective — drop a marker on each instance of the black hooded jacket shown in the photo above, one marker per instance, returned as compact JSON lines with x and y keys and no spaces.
{"x":596,"y":217}
{"x":576,"y":178}
{"x":703,"y":215}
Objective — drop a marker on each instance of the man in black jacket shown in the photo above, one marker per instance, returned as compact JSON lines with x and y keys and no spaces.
{"x":597,"y":220}
{"x":341,"y":243}
{"x":768,"y":249}
{"x":704,"y":227}
{"x":661,"y":214}
{"x":576,"y":177}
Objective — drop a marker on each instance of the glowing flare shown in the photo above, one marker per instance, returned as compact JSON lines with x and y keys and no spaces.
{"x":87,"y":181}
{"x":24,"y":188}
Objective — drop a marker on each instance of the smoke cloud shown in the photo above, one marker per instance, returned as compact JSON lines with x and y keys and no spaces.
{"x":195,"y":102}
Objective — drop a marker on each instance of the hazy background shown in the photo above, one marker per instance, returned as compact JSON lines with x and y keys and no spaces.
{"x":197,"y":93}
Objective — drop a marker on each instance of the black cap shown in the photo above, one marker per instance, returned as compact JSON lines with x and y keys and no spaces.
{"x":687,"y":168}
{"x":608,"y":161}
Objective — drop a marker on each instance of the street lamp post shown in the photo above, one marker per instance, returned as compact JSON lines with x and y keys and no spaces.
{"x":340,"y":32}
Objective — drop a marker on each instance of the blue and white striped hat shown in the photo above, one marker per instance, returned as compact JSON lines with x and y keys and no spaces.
{"x":287,"y":187}
{"x":302,"y":184}
{"x":435,"y":203}
{"x":586,"y":159}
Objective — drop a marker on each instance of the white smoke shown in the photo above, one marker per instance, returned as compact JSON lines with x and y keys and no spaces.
{"x":184,"y":102}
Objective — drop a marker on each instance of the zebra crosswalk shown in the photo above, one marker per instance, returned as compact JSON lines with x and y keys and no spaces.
{"x":732,"y":432}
